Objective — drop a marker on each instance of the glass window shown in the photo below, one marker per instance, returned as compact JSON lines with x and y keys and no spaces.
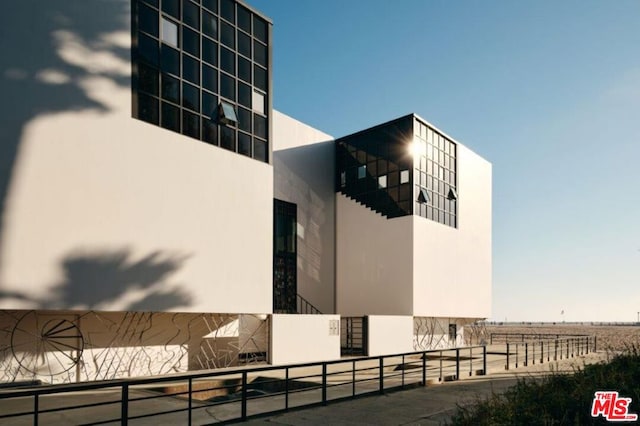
{"x":382,"y":181}
{"x":362,"y":172}
{"x":228,"y":35}
{"x":210,"y":25}
{"x":258,"y":102}
{"x":190,"y":69}
{"x":148,"y":49}
{"x":148,"y":20}
{"x":209,"y":51}
{"x":244,"y":44}
{"x":191,"y":124}
{"x":343,"y":179}
{"x":171,"y":7}
{"x":209,"y":104}
{"x":190,"y":97}
{"x":209,"y":131}
{"x":148,"y":108}
{"x":259,"y":29}
{"x":244,"y":119}
{"x":244,"y":144}
{"x":191,"y":41}
{"x":227,"y":60}
{"x":260,"y":53}
{"x":244,"y":69}
{"x":228,"y":86}
{"x":260,"y":77}
{"x":260,"y":150}
{"x":259,"y":126}
{"x":227,"y":114}
{"x":191,"y":14}
{"x":148,"y":79}
{"x":244,"y":19}
{"x":170,"y":88}
{"x":209,"y":78}
{"x":228,"y":138}
{"x":170,"y":117}
{"x":169,"y":60}
{"x":212,"y":5}
{"x":404,"y":176}
{"x":244,"y":94}
{"x":169,"y":32}
{"x":228,"y":10}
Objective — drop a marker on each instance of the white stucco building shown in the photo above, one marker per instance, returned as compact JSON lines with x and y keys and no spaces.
{"x":157,"y":215}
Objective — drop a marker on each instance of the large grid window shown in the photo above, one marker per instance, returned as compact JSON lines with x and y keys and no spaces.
{"x":435,"y":171}
{"x":194,"y":59}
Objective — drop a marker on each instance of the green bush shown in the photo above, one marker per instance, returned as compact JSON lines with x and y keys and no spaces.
{"x":558,"y":399}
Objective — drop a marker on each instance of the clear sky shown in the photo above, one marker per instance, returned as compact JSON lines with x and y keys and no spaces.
{"x":548,"y":91}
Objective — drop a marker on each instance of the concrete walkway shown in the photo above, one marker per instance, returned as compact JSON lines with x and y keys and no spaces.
{"x":433,"y":405}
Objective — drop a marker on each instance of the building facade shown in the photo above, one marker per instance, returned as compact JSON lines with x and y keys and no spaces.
{"x":157,"y":215}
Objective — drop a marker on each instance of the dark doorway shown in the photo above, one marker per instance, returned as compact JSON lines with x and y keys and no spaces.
{"x":285,"y":286}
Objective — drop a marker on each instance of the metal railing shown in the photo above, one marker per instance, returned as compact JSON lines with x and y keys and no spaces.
{"x":305,"y":307}
{"x":235,"y":395}
{"x":529,"y":352}
{"x":521,"y":337}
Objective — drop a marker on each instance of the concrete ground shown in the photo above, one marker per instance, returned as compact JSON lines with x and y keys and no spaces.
{"x":429,"y":405}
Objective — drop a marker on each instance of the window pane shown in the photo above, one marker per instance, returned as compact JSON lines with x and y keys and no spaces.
{"x":259,"y":29}
{"x":191,"y":41}
{"x":148,"y":49}
{"x":244,"y":19}
{"x":147,"y":108}
{"x":227,"y":60}
{"x":209,"y":104}
{"x":260,"y":53}
{"x":170,"y":60}
{"x":228,"y":35}
{"x":259,"y":126}
{"x":244,"y":144}
{"x":170,"y":117}
{"x":260,"y":77}
{"x":212,"y":5}
{"x":209,"y":131}
{"x":190,"y":97}
{"x":171,"y":7}
{"x":260,"y":150}
{"x":244,"y":69}
{"x":244,"y":119}
{"x":227,"y":138}
{"x":228,"y":87}
{"x":191,"y":124}
{"x":404,"y":176}
{"x":258,"y":102}
{"x":170,"y":88}
{"x":228,"y":10}
{"x":169,"y":32}
{"x":244,"y":44}
{"x":191,"y":14}
{"x":148,"y":79}
{"x":191,"y":69}
{"x":209,"y":78}
{"x":362,"y":172}
{"x":147,"y":19}
{"x":244,"y":95}
{"x":209,"y":51}
{"x":209,"y":25}
{"x":382,"y":181}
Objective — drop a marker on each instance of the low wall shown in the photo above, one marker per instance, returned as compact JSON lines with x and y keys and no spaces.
{"x":304,"y":338}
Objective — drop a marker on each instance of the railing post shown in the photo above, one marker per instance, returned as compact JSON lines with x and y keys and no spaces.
{"x":533,"y":355}
{"x":190,"y":400}
{"x":324,"y":384}
{"x":35,"y":409}
{"x":568,"y":342}
{"x":526,"y":354}
{"x":506,"y":367}
{"x":555,"y":351}
{"x":243,"y":403}
{"x":595,"y":343}
{"x":424,"y":369}
{"x":402,"y":370}
{"x":286,"y":388}
{"x":457,"y":363}
{"x":124,"y":405}
{"x":471,"y":361}
{"x":517,"y":354}
{"x":484,"y":360}
{"x":353,"y":379}
{"x":381,"y":373}
{"x":440,"y":377}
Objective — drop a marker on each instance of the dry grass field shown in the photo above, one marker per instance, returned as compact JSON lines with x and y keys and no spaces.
{"x":611,"y":337}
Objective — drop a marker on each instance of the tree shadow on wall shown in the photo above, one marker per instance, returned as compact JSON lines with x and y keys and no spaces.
{"x":50,"y":49}
{"x":115,"y":280}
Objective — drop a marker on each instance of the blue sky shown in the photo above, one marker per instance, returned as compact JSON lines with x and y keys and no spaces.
{"x":548,"y":91}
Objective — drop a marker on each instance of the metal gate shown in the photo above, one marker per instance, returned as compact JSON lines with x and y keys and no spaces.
{"x":353,"y":336}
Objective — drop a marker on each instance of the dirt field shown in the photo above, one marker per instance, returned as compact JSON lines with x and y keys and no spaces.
{"x":613,"y":337}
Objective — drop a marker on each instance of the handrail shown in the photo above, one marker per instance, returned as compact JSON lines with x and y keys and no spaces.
{"x":305,"y":307}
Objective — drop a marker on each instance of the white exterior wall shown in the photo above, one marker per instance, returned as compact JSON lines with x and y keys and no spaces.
{"x":103,"y":211}
{"x":452,"y":267}
{"x":304,"y":338}
{"x":389,"y":335}
{"x":374,"y":273}
{"x":304,"y":166}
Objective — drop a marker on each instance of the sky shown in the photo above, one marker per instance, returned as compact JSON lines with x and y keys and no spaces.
{"x":547,"y":91}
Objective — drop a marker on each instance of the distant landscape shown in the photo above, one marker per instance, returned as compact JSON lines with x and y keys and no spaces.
{"x":610,"y":336}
